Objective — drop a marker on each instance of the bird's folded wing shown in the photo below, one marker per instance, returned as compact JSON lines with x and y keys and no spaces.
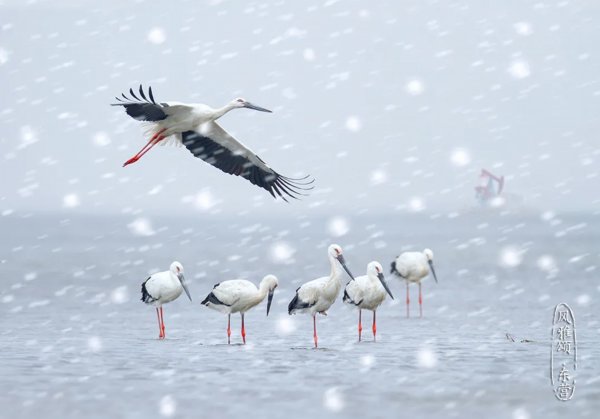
{"x":215,"y":146}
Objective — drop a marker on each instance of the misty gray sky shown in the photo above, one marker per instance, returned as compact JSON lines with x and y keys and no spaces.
{"x":391,"y":106}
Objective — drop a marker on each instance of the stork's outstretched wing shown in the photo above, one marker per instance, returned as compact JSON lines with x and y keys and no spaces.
{"x":215,"y":146}
{"x":144,"y":109}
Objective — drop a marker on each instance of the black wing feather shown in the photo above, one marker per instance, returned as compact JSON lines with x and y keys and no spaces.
{"x":235,"y":164}
{"x":146,"y":297}
{"x":142,"y":109}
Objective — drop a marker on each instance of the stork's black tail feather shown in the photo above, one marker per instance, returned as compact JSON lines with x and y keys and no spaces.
{"x":146,"y":297}
{"x":212,"y":299}
{"x":296,"y":304}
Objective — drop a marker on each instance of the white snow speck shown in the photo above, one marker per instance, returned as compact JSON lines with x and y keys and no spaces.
{"x":28,"y":137}
{"x":309,"y":54}
{"x":583,"y":300}
{"x":157,"y":36}
{"x":282,"y":253}
{"x":101,"y":139}
{"x":416,"y":204}
{"x":353,"y":124}
{"x":168,"y":406}
{"x":338,"y":226}
{"x":71,"y":201}
{"x":521,"y":413}
{"x":510,"y":257}
{"x":3,"y":56}
{"x":204,"y":200}
{"x":141,"y":227}
{"x":460,"y":157}
{"x":546,"y":263}
{"x":333,"y":399}
{"x":30,"y":276}
{"x":414,"y":87}
{"x":426,"y":358}
{"x":519,"y":69}
{"x":523,"y":28}
{"x":94,"y":344}
{"x":378,"y":177}
{"x":119,"y":295}
{"x":285,"y":325}
{"x":367,"y":362}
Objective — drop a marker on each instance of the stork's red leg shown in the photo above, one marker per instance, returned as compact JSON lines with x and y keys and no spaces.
{"x":374,"y":327}
{"x":359,"y":324}
{"x":156,"y":138}
{"x":162,"y":321}
{"x":228,"y":329}
{"x":315,"y":329}
{"x":160,"y":333}
{"x":243,"y":330}
{"x":420,"y":302}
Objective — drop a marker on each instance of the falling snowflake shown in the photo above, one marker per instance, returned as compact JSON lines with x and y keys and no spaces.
{"x":510,"y":257}
{"x":309,"y":54}
{"x":338,"y":227}
{"x":426,"y":358}
{"x":285,"y":325}
{"x":167,"y":406}
{"x":546,"y":263}
{"x":119,"y":295}
{"x":523,"y":28}
{"x":460,"y":157}
{"x":282,"y":253}
{"x":519,"y":69}
{"x":414,"y":87}
{"x":94,"y":344}
{"x":416,"y":204}
{"x":28,"y":137}
{"x":333,"y":399}
{"x":101,"y":139}
{"x":353,"y":124}
{"x":3,"y":56}
{"x":141,"y":227}
{"x":205,"y":200}
{"x":157,"y":36}
{"x":71,"y":201}
{"x":378,"y":177}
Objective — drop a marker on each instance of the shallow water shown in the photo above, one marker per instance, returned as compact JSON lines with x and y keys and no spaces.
{"x":78,"y":342}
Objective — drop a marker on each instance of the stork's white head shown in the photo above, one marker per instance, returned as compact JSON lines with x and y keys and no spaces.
{"x":375,"y":271}
{"x":374,"y":268}
{"x":177,"y":270}
{"x":335,"y":252}
{"x":269,"y":282}
{"x":243,"y":103}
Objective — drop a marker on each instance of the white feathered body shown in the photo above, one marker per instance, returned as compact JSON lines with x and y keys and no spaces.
{"x":366,"y":292}
{"x":237,"y":295}
{"x":413,"y":266}
{"x":162,"y":287}
{"x":320,"y":293}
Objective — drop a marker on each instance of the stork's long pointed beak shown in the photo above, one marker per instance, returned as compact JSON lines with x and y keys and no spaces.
{"x":432,"y":270}
{"x":185,"y":288}
{"x":385,"y":285}
{"x":270,"y":300}
{"x":342,"y":261}
{"x":255,"y":107}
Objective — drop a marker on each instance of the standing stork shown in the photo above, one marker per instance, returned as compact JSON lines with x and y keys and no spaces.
{"x":318,"y":295}
{"x":163,"y":287}
{"x":195,"y":127}
{"x":413,"y":267}
{"x":367,"y":292}
{"x":239,"y":296}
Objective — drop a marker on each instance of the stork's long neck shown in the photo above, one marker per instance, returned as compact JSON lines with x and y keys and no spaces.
{"x":335,"y":270}
{"x":263,"y":290}
{"x":222,"y":111}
